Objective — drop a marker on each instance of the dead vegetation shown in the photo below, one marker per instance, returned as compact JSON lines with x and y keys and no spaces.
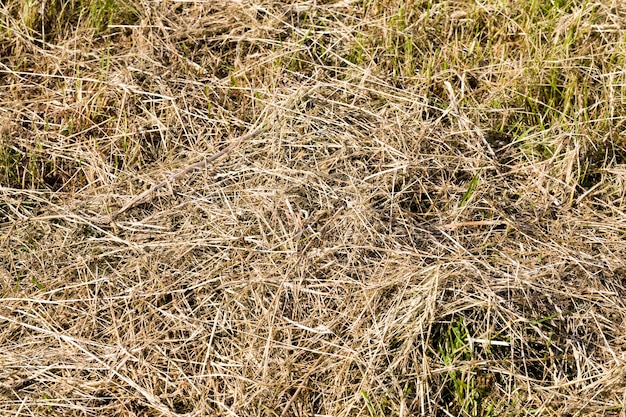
{"x":430,"y":223}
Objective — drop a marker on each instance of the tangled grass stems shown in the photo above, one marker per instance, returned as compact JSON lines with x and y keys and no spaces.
{"x":431,"y":223}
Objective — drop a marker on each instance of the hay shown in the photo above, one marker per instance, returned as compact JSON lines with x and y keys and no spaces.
{"x":430,"y":223}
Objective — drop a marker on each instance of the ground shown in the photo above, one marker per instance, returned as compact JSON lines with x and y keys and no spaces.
{"x":429,"y":217}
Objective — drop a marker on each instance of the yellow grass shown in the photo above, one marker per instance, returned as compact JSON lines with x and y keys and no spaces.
{"x":431,"y":220}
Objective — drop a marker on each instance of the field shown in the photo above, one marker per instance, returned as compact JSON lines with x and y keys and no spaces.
{"x":312,"y":208}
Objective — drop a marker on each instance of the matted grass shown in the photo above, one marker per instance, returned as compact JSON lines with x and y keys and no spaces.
{"x":431,"y":222}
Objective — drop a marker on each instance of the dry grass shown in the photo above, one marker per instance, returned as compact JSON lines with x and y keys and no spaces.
{"x":431,"y":223}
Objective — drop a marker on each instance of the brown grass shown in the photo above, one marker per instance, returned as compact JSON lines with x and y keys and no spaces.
{"x":431,"y":222}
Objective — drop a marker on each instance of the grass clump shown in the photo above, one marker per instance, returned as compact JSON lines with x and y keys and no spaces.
{"x":429,"y":222}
